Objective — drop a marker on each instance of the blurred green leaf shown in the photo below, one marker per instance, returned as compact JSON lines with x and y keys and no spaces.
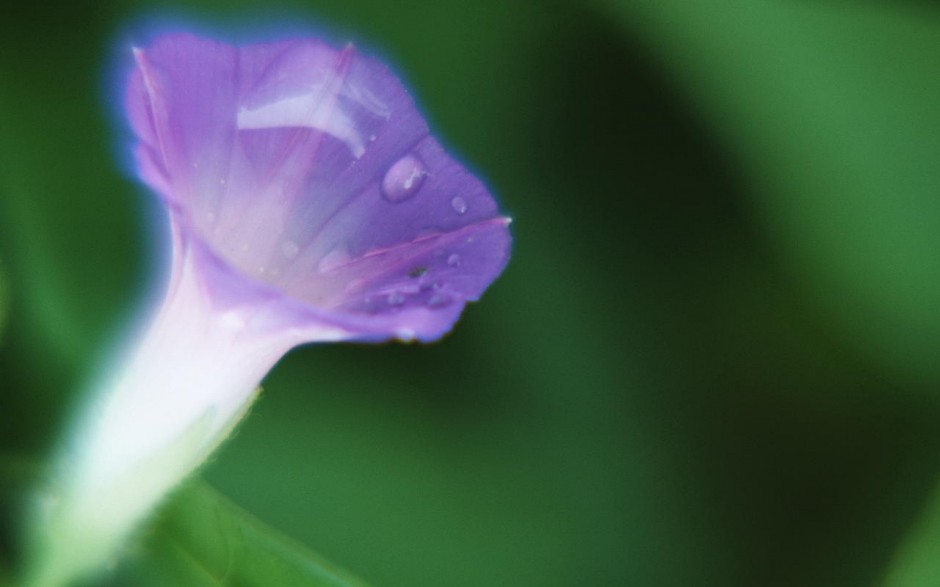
{"x":18,"y":474}
{"x":4,"y":298}
{"x":917,"y":561}
{"x":201,"y":538}
{"x":67,"y":227}
{"x":833,"y":112}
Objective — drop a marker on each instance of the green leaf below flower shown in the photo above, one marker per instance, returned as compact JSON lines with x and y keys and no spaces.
{"x":201,"y":538}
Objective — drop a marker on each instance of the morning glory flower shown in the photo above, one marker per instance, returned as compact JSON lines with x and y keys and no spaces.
{"x":308,"y":203}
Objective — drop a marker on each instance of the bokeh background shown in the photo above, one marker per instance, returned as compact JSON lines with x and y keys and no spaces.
{"x":712,"y":360}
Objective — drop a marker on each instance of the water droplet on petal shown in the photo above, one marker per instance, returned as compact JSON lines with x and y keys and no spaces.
{"x":289,"y":249}
{"x":459,"y":204}
{"x":438,"y":300}
{"x":403,"y":179}
{"x":232,"y":321}
{"x":335,"y":258}
{"x":396,"y":298}
{"x":454,"y":260}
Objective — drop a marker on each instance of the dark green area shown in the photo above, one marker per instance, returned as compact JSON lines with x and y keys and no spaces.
{"x":713,"y":359}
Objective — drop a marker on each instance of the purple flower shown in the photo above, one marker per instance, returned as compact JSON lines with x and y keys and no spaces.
{"x":304,"y":176}
{"x":307,"y":203}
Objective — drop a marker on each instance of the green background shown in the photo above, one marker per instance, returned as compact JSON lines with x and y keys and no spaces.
{"x":712,"y":360}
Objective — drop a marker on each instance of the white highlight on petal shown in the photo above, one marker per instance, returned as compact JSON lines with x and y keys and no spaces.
{"x":316,"y":109}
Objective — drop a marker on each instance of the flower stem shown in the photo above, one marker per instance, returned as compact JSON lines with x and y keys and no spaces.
{"x":192,"y":377}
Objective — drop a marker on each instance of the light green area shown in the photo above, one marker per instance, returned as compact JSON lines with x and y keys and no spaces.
{"x":200,"y":538}
{"x":831,"y":112}
{"x":917,"y":560}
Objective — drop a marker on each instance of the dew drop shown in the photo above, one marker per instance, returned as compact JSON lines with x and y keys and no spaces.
{"x":405,"y":334}
{"x":403,"y":179}
{"x":289,"y":249}
{"x":232,"y":321}
{"x":458,"y":204}
{"x":396,"y":298}
{"x":438,"y":300}
{"x":454,"y":260}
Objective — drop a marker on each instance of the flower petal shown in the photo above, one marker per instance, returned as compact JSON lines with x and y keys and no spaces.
{"x":309,"y":171}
